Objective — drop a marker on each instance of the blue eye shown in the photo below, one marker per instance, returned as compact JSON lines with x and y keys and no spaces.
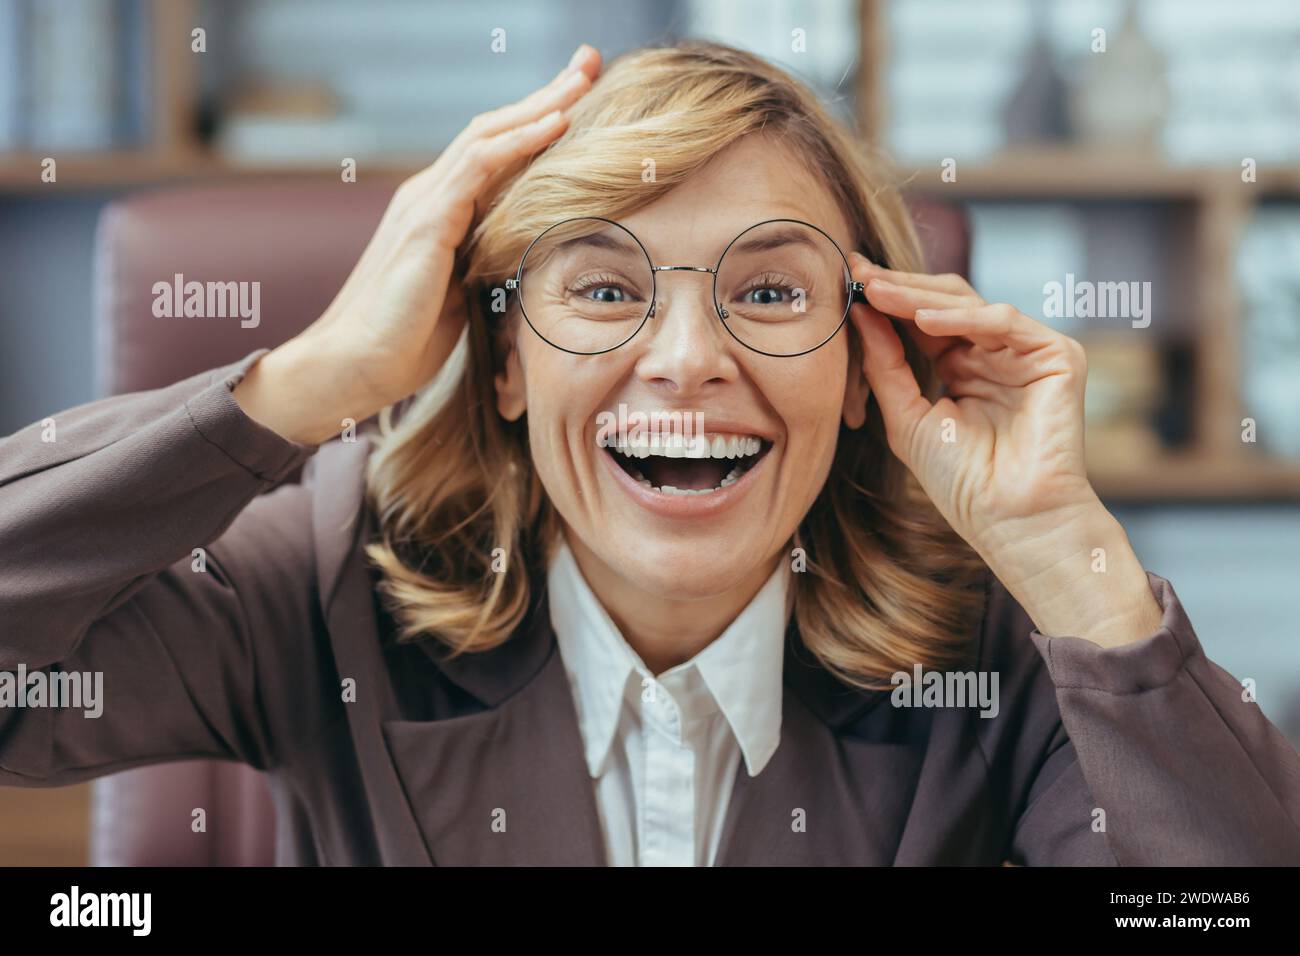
{"x":607,"y":293}
{"x":603,"y":289}
{"x":766,"y":295}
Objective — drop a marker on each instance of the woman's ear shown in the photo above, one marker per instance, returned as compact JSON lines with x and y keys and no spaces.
{"x":509,"y":382}
{"x":856,"y":388}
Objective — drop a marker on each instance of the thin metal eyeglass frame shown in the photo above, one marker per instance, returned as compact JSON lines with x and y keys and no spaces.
{"x":854,"y":289}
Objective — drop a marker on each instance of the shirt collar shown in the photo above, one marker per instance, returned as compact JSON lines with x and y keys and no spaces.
{"x":742,"y":668}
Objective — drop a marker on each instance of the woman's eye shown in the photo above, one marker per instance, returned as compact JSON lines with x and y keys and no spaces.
{"x":607,"y":293}
{"x":602,"y":290}
{"x":765,"y":295}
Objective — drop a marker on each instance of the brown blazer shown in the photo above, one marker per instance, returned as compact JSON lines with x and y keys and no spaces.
{"x":246,"y":660}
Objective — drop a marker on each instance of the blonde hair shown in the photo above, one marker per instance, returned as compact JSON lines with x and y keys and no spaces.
{"x":888,"y":584}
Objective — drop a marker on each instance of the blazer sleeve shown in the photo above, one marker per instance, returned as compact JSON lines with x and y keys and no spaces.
{"x":102,"y":509}
{"x":1158,"y":757}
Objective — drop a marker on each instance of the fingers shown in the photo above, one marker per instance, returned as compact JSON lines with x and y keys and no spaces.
{"x":494,"y":143}
{"x":949,"y":283}
{"x":481,"y":160}
{"x":557,"y":96}
{"x":988,"y":326}
{"x":996,"y":377}
{"x":561,"y":93}
{"x":903,"y":300}
{"x":861,"y":269}
{"x":902,"y":404}
{"x":1005,"y":368}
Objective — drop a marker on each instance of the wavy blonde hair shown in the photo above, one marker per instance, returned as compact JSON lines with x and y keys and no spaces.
{"x":888,"y":584}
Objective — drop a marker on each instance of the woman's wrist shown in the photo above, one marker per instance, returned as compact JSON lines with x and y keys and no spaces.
{"x":297,"y":392}
{"x":1076,"y":575}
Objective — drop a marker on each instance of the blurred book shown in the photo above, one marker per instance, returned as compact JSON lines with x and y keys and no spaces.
{"x":13,"y":14}
{"x":1268,"y":270}
{"x":73,"y":74}
{"x":296,"y":140}
{"x":1125,"y":386}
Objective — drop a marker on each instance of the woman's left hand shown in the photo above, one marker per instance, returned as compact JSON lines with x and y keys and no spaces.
{"x":1001,"y":452}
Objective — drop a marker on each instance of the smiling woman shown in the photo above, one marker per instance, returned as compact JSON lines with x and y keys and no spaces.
{"x":751,"y":156}
{"x":869,"y":610}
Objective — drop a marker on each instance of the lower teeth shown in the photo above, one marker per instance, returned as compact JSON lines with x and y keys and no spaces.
{"x":732,"y":477}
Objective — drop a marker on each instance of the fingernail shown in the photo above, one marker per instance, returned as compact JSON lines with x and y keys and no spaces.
{"x":577,"y":55}
{"x":924,"y":313}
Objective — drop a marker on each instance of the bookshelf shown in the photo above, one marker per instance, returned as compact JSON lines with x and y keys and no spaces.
{"x":1214,"y":465}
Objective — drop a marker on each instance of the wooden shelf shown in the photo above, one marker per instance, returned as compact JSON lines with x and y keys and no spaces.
{"x":1083,"y":172}
{"x":1199,"y":477}
{"x":1030,"y":174}
{"x":46,"y":826}
{"x":21,"y":173}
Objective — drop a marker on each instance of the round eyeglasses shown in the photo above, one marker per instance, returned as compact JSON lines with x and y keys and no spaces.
{"x":781,"y":288}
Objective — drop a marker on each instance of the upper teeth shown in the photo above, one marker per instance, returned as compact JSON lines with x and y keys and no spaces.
{"x":678,"y":446}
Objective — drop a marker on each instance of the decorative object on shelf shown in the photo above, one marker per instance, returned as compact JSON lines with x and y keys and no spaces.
{"x":1036,"y":110}
{"x":1122,"y":97}
{"x":292,"y":124}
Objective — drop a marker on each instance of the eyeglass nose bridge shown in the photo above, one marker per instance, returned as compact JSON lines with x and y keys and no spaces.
{"x":713,"y":272}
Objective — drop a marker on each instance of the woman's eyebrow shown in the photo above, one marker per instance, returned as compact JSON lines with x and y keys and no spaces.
{"x":597,"y":239}
{"x":774,"y":239}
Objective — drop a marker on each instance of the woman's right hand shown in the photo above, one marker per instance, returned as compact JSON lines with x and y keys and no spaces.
{"x":400,"y":312}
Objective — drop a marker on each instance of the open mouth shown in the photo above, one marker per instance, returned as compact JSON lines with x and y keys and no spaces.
{"x":672,"y":465}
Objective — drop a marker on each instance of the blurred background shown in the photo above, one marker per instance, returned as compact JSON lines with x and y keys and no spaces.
{"x":1155,"y":141}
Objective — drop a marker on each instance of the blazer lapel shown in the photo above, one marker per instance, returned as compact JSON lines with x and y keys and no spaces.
{"x":505,"y":786}
{"x":346,"y":593}
{"x":838,"y":789}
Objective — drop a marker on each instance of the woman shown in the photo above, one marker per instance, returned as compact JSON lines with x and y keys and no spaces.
{"x":522,"y":631}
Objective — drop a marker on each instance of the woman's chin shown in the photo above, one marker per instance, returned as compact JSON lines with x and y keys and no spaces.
{"x":690,"y":569}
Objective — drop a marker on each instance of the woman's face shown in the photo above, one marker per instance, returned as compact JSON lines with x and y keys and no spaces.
{"x":683,"y":360}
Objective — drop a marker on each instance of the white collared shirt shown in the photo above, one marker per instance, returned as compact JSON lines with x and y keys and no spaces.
{"x":664,"y":753}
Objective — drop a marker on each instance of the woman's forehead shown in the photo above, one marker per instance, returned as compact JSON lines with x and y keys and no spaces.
{"x":755,"y":180}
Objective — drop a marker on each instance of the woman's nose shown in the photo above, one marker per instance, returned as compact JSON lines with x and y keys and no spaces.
{"x":686,"y":345}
